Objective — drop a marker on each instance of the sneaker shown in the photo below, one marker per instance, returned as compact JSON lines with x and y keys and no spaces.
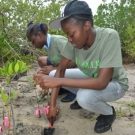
{"x":69,"y":97}
{"x":104,"y":122}
{"x":75,"y":106}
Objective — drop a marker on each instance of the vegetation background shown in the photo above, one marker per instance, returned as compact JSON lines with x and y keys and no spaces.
{"x":15,"y":15}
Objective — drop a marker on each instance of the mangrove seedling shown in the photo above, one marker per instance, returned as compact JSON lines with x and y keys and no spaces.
{"x":6,"y":72}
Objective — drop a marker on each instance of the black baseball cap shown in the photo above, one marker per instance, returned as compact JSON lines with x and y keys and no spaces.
{"x":73,"y":7}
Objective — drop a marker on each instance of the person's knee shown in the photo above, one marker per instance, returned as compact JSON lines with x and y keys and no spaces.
{"x":85,"y":99}
{"x":42,"y":61}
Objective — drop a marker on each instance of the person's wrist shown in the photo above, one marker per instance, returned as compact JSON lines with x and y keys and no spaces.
{"x":52,"y":105}
{"x":60,"y":82}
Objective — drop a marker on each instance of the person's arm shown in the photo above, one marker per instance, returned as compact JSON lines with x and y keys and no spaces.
{"x":59,"y":74}
{"x":99,"y":83}
{"x":53,"y":112}
{"x":72,"y":64}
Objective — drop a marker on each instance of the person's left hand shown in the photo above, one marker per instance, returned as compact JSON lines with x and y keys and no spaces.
{"x":46,"y":81}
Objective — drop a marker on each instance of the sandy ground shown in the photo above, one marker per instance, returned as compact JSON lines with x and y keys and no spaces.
{"x":70,"y":122}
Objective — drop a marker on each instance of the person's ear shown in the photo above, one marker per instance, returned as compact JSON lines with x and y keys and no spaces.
{"x":87,"y":25}
{"x":40,"y":34}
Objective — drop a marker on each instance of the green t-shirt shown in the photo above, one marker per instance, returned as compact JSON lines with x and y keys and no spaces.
{"x":105,"y":52}
{"x":56,"y":46}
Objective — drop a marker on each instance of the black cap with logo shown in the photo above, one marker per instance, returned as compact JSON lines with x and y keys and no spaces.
{"x":73,"y":7}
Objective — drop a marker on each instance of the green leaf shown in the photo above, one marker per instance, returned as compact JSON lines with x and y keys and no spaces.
{"x":16,"y":67}
{"x":2,"y":72}
{"x":6,"y":67}
{"x":13,"y":96}
{"x":23,"y":70}
{"x":12,"y":91}
{"x":8,"y":80}
{"x":10,"y":69}
{"x":4,"y":97}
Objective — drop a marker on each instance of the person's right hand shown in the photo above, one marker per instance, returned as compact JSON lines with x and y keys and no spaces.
{"x":52,"y":114}
{"x":45,"y":81}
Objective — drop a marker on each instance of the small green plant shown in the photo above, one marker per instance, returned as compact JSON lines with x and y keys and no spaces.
{"x":38,"y":111}
{"x":6,"y":72}
{"x":131,"y":107}
{"x":12,"y":68}
{"x":131,"y":104}
{"x":120,"y":112}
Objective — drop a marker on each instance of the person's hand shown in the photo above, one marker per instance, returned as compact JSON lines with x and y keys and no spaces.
{"x":52,"y":114}
{"x":44,"y":92}
{"x":45,"y":81}
{"x":47,"y":69}
{"x":40,"y":72}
